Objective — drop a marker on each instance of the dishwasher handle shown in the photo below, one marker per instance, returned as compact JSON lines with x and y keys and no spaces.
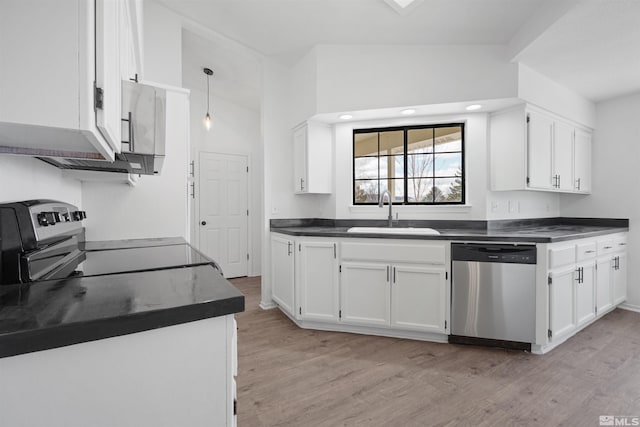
{"x":487,"y":252}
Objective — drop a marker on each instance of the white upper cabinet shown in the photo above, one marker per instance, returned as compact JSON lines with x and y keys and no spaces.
{"x":582,"y":162}
{"x":108,"y":72}
{"x":312,"y":152}
{"x":540,"y":150}
{"x":531,"y":149}
{"x":60,"y":78}
{"x":562,"y":156}
{"x":131,"y":40}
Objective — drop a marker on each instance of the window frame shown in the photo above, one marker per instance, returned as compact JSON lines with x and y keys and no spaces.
{"x":405,"y":178}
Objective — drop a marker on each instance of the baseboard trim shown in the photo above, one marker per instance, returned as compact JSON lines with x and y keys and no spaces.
{"x":267,"y":306}
{"x":630,"y":307}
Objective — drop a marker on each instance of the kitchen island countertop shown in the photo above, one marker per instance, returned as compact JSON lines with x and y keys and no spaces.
{"x":49,"y":314}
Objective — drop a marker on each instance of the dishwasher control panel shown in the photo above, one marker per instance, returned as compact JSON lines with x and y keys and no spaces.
{"x":487,"y":252}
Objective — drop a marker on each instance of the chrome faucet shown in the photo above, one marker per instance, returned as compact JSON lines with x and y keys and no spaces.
{"x":381,"y":204}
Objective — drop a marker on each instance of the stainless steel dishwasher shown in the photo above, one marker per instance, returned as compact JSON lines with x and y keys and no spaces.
{"x":493,"y":299}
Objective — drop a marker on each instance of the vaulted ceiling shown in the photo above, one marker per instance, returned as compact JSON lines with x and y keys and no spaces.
{"x":590,"y":46}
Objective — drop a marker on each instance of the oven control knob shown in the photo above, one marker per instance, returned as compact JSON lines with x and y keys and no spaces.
{"x":79,"y":215}
{"x":48,"y":218}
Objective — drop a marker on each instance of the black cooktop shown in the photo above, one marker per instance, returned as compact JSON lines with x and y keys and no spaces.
{"x":100,"y":262}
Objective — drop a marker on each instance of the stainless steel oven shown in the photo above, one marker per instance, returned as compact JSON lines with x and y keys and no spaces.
{"x":493,"y":294}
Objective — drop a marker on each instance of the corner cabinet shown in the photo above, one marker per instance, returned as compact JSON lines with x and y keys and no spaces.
{"x":312,"y":158}
{"x":372,"y":286}
{"x":61,"y":85}
{"x":531,"y":149}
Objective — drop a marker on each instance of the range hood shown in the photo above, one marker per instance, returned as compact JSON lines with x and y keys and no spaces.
{"x":143,"y":130}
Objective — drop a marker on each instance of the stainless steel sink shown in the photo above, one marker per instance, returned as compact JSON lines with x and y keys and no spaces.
{"x":395,"y":230}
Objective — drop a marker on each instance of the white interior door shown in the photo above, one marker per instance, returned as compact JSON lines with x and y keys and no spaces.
{"x":223,"y":219}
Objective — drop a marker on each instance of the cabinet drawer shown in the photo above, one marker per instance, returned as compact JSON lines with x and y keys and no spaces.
{"x":394,"y":252}
{"x":606,"y":246}
{"x":620,"y":243}
{"x":585,"y":251}
{"x":562,"y":256}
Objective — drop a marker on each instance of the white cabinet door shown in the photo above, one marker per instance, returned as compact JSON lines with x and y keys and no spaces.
{"x":300,"y":160}
{"x":108,"y":72}
{"x":130,"y":43}
{"x":418,"y":298}
{"x":562,"y":156}
{"x":619,"y":278}
{"x":539,"y":145}
{"x":282,"y":273}
{"x":582,"y":161}
{"x":318,"y":281}
{"x":604,"y":289}
{"x":586,"y":293}
{"x":562,"y":313}
{"x":365,"y":294}
{"x":312,"y":158}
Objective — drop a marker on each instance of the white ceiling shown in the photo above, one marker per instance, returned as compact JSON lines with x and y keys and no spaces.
{"x":289,"y":28}
{"x":594,"y":49}
{"x":590,"y":46}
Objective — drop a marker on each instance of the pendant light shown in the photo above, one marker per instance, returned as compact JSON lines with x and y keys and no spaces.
{"x":207,"y":117}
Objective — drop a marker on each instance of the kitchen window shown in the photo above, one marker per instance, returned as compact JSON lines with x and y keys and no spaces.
{"x":418,"y":165}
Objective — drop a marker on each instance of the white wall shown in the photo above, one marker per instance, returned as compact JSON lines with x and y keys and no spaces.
{"x":235,"y":130}
{"x":540,"y":90}
{"x":616,"y":150}
{"x":158,"y":205}
{"x":369,"y":77}
{"x":162,"y":45}
{"x":25,"y":178}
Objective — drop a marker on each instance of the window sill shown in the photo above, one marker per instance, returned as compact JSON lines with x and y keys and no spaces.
{"x":413,"y":209}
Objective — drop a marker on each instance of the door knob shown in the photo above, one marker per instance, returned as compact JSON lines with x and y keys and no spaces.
{"x":204,"y":223}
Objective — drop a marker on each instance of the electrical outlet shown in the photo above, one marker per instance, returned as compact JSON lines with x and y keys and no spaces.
{"x":514,"y":206}
{"x":495,"y":206}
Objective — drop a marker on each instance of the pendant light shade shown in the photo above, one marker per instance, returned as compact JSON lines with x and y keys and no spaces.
{"x":207,"y":117}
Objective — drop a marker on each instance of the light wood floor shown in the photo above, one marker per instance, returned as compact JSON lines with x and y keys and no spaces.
{"x":295,"y":377}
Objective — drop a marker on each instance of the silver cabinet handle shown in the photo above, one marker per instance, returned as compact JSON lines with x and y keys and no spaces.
{"x":578,"y":184}
{"x":589,"y":252}
{"x":387,"y":273}
{"x":394,"y":275}
{"x":288,"y":248}
{"x":334,"y":250}
{"x":622,"y":244}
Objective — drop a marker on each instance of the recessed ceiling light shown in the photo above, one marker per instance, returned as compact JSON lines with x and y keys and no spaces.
{"x":346,"y":116}
{"x":474,"y":107}
{"x":408,"y":111}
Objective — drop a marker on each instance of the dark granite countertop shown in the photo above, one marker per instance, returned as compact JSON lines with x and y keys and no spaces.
{"x":547,"y":230}
{"x":56,"y":313}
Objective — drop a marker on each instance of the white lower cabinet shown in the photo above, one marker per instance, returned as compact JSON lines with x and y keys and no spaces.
{"x":604,"y":292}
{"x":382,"y":284}
{"x":586,"y":278}
{"x":619,"y":278}
{"x":365,"y":294}
{"x":585,"y":293}
{"x":317,"y":278}
{"x":562,"y":319}
{"x":282,"y":272}
{"x":418,"y":298}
